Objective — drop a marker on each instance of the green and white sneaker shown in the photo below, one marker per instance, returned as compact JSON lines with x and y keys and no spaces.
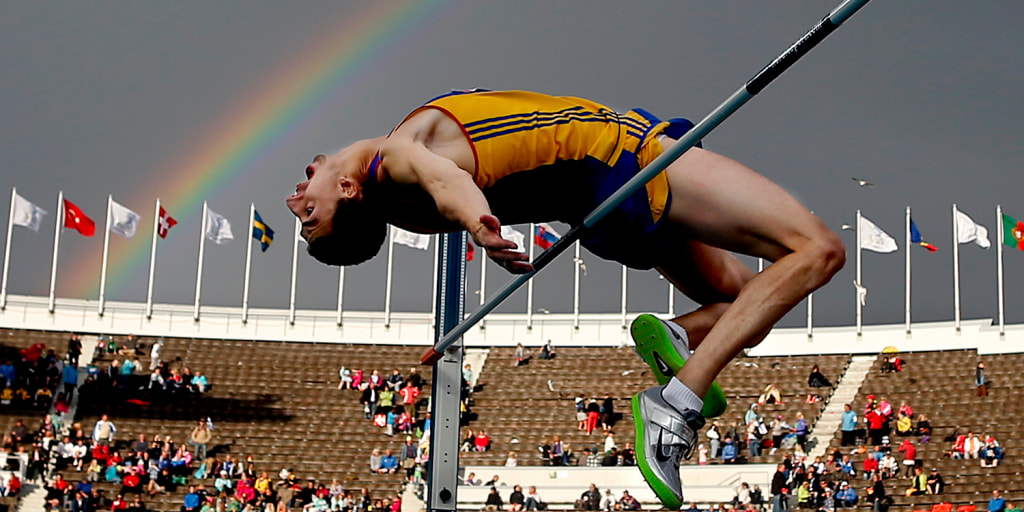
{"x":666,"y":352}
{"x":664,"y":437}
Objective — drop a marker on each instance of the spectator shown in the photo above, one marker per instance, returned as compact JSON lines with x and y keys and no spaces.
{"x":801,"y":429}
{"x":876,"y":495}
{"x":409,"y":395}
{"x":516,"y":500}
{"x":729,"y":451}
{"x":369,"y":401}
{"x":1011,"y":508}
{"x":199,"y":382}
{"x":547,"y":351}
{"x":779,"y":503}
{"x":481,"y":442}
{"x":471,"y":479}
{"x":909,"y":457}
{"x":104,"y":430}
{"x":593,"y":415}
{"x":743,"y":494}
{"x":591,"y":499}
{"x":849,"y":426}
{"x":876,"y":424}
{"x":972,"y":446}
{"x":609,"y":442}
{"x":771,"y":395}
{"x":520,"y":356}
{"x":199,"y":438}
{"x":388,"y":463}
{"x":817,"y":379}
{"x":980,"y":380}
{"x":533,"y":500}
{"x":493,"y":500}
{"x":628,"y":455}
{"x":375,"y":462}
{"x":608,"y":501}
{"x":918,"y":483}
{"x":751,"y":415}
{"x":607,"y":413}
{"x":467,"y":374}
{"x":997,"y":503}
{"x":936,"y":485}
{"x":511,"y":462}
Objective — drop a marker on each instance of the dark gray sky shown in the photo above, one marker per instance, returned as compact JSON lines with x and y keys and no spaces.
{"x":117,"y":97}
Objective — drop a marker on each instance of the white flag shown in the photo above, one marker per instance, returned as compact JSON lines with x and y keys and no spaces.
{"x":27,"y":214}
{"x":873,"y":238}
{"x":512,"y":235}
{"x":123,"y":221}
{"x":218,"y":229}
{"x":410,"y":239}
{"x":969,"y":231}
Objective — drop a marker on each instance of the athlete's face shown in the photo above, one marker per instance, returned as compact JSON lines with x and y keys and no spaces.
{"x":316,"y":199}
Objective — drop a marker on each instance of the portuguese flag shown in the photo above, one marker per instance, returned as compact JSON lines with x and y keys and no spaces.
{"x":1013,"y":232}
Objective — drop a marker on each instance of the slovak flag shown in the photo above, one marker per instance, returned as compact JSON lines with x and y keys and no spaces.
{"x":544,"y":236}
{"x":164,"y":223}
{"x":74,"y":218}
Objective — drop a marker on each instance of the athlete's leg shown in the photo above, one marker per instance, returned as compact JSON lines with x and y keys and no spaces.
{"x":722,"y":203}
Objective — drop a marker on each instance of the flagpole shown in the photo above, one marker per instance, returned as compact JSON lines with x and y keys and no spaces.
{"x":860,"y":283}
{"x":998,"y":267}
{"x":576,"y":288}
{"x":625,"y":272}
{"x":199,"y":270}
{"x":341,"y":290}
{"x":106,"y":251}
{"x":295,"y":271}
{"x":483,"y":286}
{"x":56,"y":249}
{"x":529,"y":284}
{"x":152,"y":260}
{"x":760,"y":265}
{"x":956,"y":271}
{"x":433,"y":285}
{"x":810,"y":316}
{"x":387,"y":282}
{"x":906,"y":302}
{"x":248,"y":264}
{"x":7,"y":250}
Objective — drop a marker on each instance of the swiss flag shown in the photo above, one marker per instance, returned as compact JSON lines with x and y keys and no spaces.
{"x":75,"y":219}
{"x":164,"y":223}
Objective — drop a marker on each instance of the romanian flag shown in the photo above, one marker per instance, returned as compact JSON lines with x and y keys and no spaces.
{"x":261,"y":232}
{"x":915,"y":237}
{"x":1013,"y":232}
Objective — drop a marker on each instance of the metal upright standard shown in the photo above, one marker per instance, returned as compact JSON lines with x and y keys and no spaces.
{"x":753,"y":86}
{"x":450,"y":301}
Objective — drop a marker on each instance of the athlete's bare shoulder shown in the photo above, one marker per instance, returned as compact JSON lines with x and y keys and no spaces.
{"x":439,"y":133}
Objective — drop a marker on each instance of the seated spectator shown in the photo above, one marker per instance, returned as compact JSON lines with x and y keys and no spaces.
{"x":771,"y":395}
{"x":547,"y":351}
{"x":924,"y":429}
{"x":223,"y":483}
{"x":590,"y":499}
{"x":164,"y":482}
{"x":935,"y":482}
{"x":729,"y":451}
{"x":997,"y":503}
{"x":511,"y":462}
{"x":847,"y":496}
{"x":131,"y":484}
{"x":817,"y":379}
{"x":482,"y":443}
{"x":516,"y":500}
{"x":388,"y":463}
{"x":494,"y":501}
{"x":629,"y":502}
{"x":192,"y":501}
{"x":375,"y":462}
{"x":533,"y":501}
{"x":199,"y":382}
{"x":471,"y":479}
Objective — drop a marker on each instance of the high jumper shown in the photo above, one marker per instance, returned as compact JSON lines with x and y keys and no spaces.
{"x":464,"y":160}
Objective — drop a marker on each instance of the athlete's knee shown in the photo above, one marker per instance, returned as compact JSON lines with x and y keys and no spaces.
{"x":827,"y":254}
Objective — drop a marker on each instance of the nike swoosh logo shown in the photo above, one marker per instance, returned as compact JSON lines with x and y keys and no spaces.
{"x":662,"y":365}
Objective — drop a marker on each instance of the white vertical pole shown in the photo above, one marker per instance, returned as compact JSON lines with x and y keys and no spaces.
{"x":387,"y":281}
{"x":483,"y":286}
{"x":152,"y":261}
{"x":998,"y":266}
{"x":906,"y":302}
{"x":529,"y":284}
{"x":671,"y":299}
{"x":7,"y":250}
{"x":248,"y":263}
{"x":106,"y":252}
{"x":956,"y":271}
{"x":576,"y":288}
{"x":295,"y":270}
{"x":199,"y":269}
{"x":625,"y":272}
{"x":433,"y":284}
{"x":860,"y":282}
{"x":341,"y":290}
{"x":56,"y":248}
{"x":810,"y":316}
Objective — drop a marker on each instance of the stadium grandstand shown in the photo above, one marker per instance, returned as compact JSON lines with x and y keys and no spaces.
{"x":269,"y":422}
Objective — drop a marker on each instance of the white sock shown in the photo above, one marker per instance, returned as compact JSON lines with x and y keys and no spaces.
{"x":681,"y":397}
{"x":679,"y":331}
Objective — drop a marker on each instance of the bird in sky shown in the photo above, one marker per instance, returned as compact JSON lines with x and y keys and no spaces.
{"x":846,"y":227}
{"x":863,"y":182}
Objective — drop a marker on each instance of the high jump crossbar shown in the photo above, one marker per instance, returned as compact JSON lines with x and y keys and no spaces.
{"x":815,"y":35}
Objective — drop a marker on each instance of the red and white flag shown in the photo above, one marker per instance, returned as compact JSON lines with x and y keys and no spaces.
{"x":74,"y":218}
{"x":164,"y":223}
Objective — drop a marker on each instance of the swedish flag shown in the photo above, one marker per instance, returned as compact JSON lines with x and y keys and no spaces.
{"x":261,"y":231}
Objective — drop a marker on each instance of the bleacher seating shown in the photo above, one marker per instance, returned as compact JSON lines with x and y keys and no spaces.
{"x":941,"y":386}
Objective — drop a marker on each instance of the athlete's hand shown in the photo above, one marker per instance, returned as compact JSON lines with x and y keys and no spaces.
{"x":488,"y":236}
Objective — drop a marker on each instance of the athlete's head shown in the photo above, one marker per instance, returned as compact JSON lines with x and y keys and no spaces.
{"x":339,"y":225}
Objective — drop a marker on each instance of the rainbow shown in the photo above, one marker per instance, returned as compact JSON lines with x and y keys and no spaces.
{"x":265,"y":119}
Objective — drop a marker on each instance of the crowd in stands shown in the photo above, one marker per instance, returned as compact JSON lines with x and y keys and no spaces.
{"x":126,"y":377}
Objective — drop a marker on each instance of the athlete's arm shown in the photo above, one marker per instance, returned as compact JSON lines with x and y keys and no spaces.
{"x":455,"y":194}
